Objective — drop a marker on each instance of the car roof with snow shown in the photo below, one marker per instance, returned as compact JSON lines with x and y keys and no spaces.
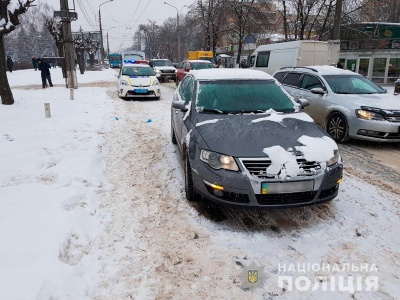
{"x":199,"y":61}
{"x":321,"y":70}
{"x":230,"y":74}
{"x":132,"y":64}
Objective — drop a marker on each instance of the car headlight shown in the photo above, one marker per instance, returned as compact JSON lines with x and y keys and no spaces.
{"x":157,"y":71}
{"x":218,"y":161}
{"x":175,"y":71}
{"x":123,"y":82}
{"x":335,"y":159}
{"x":156,"y":82}
{"x":369,"y":115}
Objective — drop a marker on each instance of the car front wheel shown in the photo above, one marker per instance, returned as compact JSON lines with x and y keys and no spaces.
{"x":337,"y":127}
{"x":191,"y":194}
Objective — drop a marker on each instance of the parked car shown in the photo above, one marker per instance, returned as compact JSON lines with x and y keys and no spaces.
{"x":163,"y":68}
{"x":138,"y":81}
{"x":188,"y":65}
{"x":346,"y":104}
{"x":244,"y":141}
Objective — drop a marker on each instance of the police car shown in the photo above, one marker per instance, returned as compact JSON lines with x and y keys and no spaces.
{"x":138,"y":80}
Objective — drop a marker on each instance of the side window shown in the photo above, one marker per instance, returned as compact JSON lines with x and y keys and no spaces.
{"x":186,"y":89}
{"x":292,"y":79}
{"x":279,"y":76}
{"x":262,"y":59}
{"x":309,"y":82}
{"x":252,"y":60}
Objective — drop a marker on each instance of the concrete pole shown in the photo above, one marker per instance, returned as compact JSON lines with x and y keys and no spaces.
{"x":336,"y":22}
{"x":101,"y":38}
{"x":179,"y":35}
{"x":108,"y":47}
{"x":69,"y":52}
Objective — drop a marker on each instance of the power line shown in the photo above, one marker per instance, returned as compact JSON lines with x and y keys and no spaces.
{"x":85,"y":15}
{"x":122,"y":43}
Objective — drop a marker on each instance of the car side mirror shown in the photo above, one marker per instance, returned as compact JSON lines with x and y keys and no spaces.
{"x":303,"y":102}
{"x":319,"y":91}
{"x":181,"y":105}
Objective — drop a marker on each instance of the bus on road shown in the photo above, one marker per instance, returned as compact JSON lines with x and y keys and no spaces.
{"x":115,"y":60}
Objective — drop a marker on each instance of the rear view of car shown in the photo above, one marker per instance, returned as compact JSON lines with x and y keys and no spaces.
{"x":138,"y":81}
{"x":189,"y":65}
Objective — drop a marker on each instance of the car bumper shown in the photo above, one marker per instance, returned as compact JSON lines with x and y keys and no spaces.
{"x":131,"y":92}
{"x":166,"y":75}
{"x":380,"y":131}
{"x":240,"y":190}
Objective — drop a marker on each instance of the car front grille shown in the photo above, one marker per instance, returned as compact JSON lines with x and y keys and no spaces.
{"x":140,"y":85}
{"x":168,"y":71}
{"x":395,"y":119}
{"x":286,"y":198}
{"x":258,"y":167}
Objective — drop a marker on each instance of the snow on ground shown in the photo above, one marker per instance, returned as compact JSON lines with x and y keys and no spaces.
{"x":92,"y":207}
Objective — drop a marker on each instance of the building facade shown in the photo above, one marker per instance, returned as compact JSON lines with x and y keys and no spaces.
{"x":373,"y":50}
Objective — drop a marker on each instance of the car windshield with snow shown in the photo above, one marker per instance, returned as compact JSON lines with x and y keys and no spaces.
{"x":244,"y":141}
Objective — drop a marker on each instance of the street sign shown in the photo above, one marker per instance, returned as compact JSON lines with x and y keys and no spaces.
{"x":69,"y":16}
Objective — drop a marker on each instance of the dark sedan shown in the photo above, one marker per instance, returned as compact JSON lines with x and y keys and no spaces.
{"x":244,"y":141}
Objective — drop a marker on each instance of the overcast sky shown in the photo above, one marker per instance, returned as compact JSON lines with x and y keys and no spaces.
{"x":120,"y":14}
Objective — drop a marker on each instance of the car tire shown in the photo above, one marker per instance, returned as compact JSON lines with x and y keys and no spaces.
{"x":337,"y":127}
{"x":191,"y":194}
{"x":157,"y":98}
{"x":173,"y":136}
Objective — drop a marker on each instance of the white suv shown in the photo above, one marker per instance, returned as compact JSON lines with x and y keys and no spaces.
{"x":163,"y":68}
{"x":346,"y":104}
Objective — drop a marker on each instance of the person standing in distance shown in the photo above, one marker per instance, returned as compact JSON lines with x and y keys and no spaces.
{"x":44,"y":68}
{"x":10,"y":63}
{"x":34,"y":63}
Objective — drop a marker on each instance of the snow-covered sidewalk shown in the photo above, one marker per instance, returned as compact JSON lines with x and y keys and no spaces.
{"x":92,"y":207}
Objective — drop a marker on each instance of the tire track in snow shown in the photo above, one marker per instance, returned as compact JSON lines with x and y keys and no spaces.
{"x":152,"y":247}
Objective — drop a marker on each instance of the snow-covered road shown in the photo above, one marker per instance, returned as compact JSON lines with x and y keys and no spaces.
{"x":123,"y":229}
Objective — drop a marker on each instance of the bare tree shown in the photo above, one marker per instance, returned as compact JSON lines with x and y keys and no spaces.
{"x":55,"y":29}
{"x":210,"y":14}
{"x":9,"y":13}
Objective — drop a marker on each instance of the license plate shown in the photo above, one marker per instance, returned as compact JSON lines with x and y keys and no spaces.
{"x":141,"y":91}
{"x":286,"y":187}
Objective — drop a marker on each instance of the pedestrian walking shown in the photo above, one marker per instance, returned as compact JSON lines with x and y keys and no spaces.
{"x":44,"y":68}
{"x":10,"y":63}
{"x":34,"y":63}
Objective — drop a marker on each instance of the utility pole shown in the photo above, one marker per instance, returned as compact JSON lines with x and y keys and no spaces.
{"x":336,"y":22}
{"x":101,"y":33}
{"x":69,"y":54}
{"x":177,"y":29}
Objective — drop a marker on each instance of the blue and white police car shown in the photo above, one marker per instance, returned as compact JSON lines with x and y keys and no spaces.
{"x":138,"y":80}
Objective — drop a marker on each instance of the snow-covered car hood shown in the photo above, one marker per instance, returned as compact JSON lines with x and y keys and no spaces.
{"x":383,"y":101}
{"x":139,"y":80}
{"x":164,"y":68}
{"x":249,"y":135}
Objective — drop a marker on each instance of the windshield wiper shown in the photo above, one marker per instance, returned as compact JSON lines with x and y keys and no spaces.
{"x":213,"y":110}
{"x":256,"y":111}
